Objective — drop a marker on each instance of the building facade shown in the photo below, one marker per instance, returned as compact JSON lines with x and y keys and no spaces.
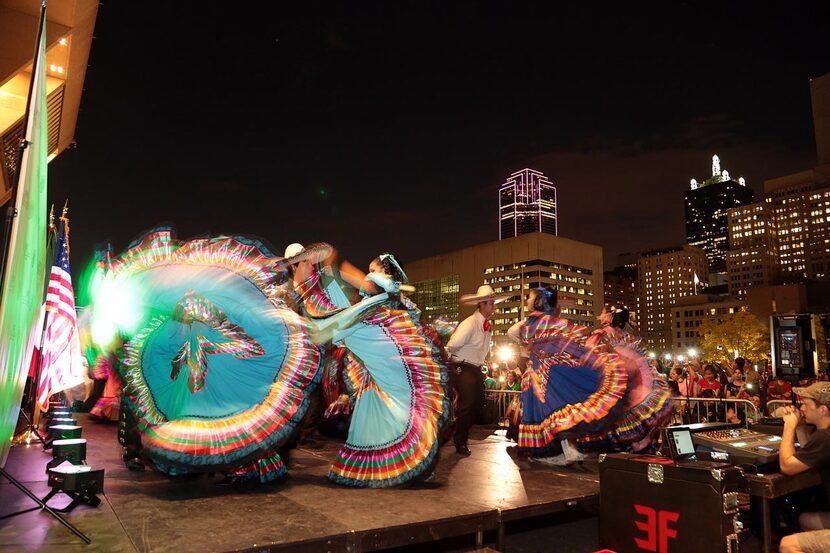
{"x":69,"y":27}
{"x":784,"y":238}
{"x":620,"y":289}
{"x":689,"y":313}
{"x":753,"y":259}
{"x":706,"y":205}
{"x":527,"y":203}
{"x":665,"y":276}
{"x":512,"y":265}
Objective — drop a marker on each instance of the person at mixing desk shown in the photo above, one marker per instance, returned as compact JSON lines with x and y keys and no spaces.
{"x":813,"y":454}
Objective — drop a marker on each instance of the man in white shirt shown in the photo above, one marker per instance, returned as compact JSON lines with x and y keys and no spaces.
{"x":468,"y":348}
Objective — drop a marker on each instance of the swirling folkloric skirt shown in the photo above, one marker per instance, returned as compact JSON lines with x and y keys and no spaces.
{"x":399,"y":383}
{"x":219,"y":373}
{"x":568,"y":395}
{"x":647,"y":406}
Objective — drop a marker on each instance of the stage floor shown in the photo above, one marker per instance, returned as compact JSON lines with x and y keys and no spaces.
{"x":149,"y":512}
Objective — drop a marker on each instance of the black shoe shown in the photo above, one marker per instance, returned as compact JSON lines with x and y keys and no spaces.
{"x":229,"y":480}
{"x":134,"y":464}
{"x":463,"y":450}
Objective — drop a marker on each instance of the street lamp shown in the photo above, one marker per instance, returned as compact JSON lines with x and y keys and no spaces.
{"x":505,"y":354}
{"x":680,"y":358}
{"x":692,"y":352}
{"x":652,"y":355}
{"x":667,"y":357}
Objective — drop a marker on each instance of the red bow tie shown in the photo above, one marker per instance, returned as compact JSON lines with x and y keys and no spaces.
{"x":487,"y":326}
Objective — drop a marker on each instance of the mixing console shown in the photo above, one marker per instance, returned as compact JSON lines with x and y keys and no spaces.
{"x":742,"y":445}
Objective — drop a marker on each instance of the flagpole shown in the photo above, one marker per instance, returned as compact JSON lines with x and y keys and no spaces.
{"x":11,"y":212}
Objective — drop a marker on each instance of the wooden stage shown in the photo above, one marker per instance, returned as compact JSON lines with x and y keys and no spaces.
{"x":150,"y":512}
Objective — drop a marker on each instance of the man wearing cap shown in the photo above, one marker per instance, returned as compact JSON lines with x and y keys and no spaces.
{"x":814,"y":454}
{"x":468,"y":348}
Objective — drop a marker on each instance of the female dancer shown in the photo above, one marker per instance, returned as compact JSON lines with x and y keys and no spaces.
{"x":647,"y":403}
{"x":568,"y":391}
{"x":397,"y":381}
{"x":218,"y":370}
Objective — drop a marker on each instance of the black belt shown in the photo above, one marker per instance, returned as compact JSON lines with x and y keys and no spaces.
{"x":461,"y":365}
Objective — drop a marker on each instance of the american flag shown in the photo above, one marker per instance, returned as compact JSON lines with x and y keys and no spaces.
{"x":61,"y":360}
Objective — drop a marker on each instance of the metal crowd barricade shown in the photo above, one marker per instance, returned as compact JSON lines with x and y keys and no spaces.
{"x":689,"y":410}
{"x":774,"y":404}
{"x":500,"y":400}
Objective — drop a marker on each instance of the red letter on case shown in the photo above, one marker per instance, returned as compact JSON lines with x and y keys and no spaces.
{"x":665,"y":532}
{"x":656,"y":524}
{"x":650,"y":527}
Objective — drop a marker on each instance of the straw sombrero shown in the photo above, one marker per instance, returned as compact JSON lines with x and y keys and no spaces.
{"x":316,"y":253}
{"x":484,"y":293}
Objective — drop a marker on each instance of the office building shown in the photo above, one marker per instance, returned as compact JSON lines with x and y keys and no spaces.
{"x":527,"y":203}
{"x":690,"y":312}
{"x":665,"y":276}
{"x":706,"y":204}
{"x":516,"y":265}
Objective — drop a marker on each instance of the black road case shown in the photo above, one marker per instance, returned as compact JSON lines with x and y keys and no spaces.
{"x":650,"y":503}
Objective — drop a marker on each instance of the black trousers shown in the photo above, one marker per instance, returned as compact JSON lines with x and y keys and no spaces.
{"x":469,"y":391}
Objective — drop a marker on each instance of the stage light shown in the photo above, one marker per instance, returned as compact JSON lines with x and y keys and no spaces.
{"x":61,"y":432}
{"x":73,"y":451}
{"x":80,"y":482}
{"x":505,"y":354}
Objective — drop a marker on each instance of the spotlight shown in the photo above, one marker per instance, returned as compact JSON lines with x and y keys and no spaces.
{"x":692,"y":352}
{"x":82,"y":483}
{"x":652,"y":355}
{"x":61,"y":432}
{"x":505,"y":354}
{"x":73,"y":450}
{"x":667,"y":357}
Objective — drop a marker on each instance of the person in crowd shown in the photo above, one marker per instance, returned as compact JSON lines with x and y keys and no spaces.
{"x":754,"y":415}
{"x":814,"y":454}
{"x":779,"y":389}
{"x":686,"y":381}
{"x":469,"y":347}
{"x":709,"y":381}
{"x":737,"y":389}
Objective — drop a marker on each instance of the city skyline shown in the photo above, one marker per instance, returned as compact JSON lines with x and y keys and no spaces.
{"x":301,"y":127}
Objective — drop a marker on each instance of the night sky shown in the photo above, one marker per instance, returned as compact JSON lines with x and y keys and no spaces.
{"x":389,"y":126}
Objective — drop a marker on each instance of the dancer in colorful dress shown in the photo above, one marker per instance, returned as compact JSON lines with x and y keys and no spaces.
{"x":647,"y":403}
{"x":397,"y":382}
{"x":568,"y":391}
{"x":218,"y":369}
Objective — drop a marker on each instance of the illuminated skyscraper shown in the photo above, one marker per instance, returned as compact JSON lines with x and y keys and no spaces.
{"x":665,"y":276}
{"x":706,"y":205}
{"x":527,"y":203}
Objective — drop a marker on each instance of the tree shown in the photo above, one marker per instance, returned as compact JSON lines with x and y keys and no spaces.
{"x":737,"y":335}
